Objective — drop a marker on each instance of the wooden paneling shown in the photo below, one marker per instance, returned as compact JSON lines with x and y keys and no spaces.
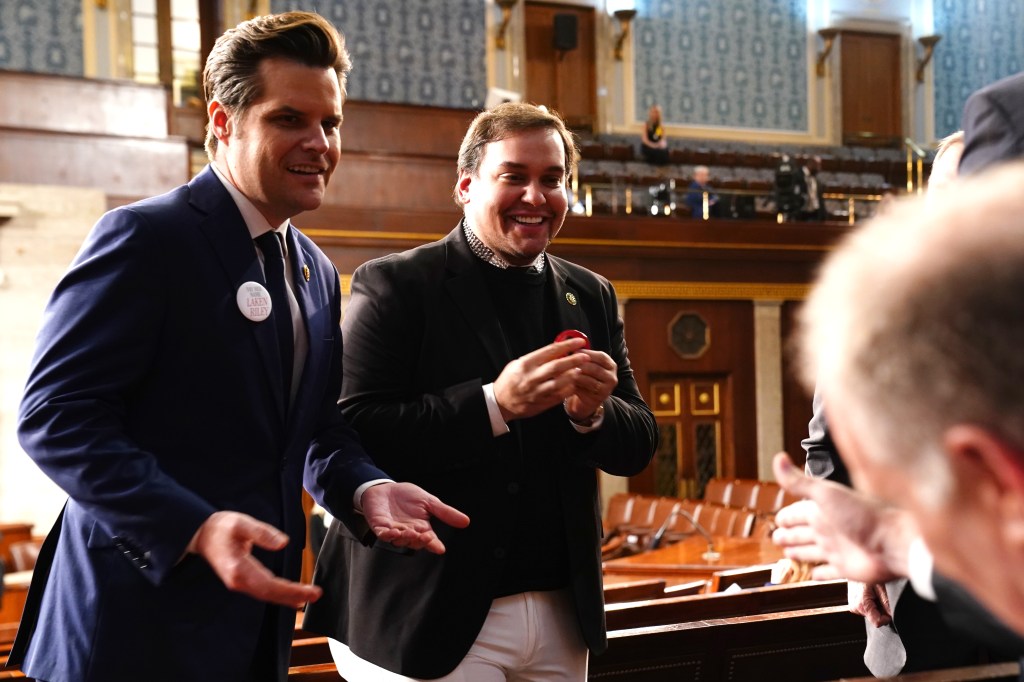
{"x":796,"y":402}
{"x":871,"y":88}
{"x":390,"y":182}
{"x":621,"y":248}
{"x":88,"y":133}
{"x":562,"y":80}
{"x":404,"y":130}
{"x":132,"y":167}
{"x":79,"y":105}
{"x":730,"y":354}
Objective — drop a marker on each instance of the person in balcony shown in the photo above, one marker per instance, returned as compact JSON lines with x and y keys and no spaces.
{"x":699,"y":185}
{"x":654,"y":146}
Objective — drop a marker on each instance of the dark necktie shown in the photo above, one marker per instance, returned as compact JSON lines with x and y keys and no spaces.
{"x":280,"y":312}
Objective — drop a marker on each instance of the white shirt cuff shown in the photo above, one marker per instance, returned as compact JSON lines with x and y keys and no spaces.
{"x":920,"y":566}
{"x":498,"y":425}
{"x":357,"y":499}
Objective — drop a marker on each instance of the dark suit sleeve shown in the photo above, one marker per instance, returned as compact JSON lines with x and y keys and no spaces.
{"x":823,"y":459}
{"x":988,"y":135}
{"x":415,"y":410}
{"x":100,"y":335}
{"x":390,"y":391}
{"x":993,"y":125}
{"x":625,"y":443}
{"x":964,"y":614}
{"x":336,"y":463}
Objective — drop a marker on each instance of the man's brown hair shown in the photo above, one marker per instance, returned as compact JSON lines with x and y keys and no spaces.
{"x":504,"y":121}
{"x":232,"y":76}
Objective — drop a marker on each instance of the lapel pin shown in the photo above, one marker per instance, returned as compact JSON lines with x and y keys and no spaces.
{"x":305,"y":272}
{"x":254,"y":301}
{"x":570,"y":297}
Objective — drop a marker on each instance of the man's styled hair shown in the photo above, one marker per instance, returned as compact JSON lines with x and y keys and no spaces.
{"x":504,"y":121}
{"x":916,"y":324}
{"x":232,"y":76}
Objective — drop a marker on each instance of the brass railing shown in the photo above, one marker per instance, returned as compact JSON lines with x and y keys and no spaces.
{"x":667,"y":200}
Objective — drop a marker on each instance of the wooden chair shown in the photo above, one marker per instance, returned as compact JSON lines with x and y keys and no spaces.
{"x":743,"y":524}
{"x":744,"y":493}
{"x":718,"y":491}
{"x":763,"y":526}
{"x":23,"y":554}
{"x":620,"y":509}
{"x":643,"y":511}
{"x":769,"y":498}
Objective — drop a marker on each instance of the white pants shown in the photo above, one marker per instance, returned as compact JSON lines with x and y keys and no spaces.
{"x":528,"y":637}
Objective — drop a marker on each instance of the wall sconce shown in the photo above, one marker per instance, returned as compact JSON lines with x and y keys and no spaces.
{"x":928,"y":43}
{"x":829,"y":36}
{"x":625,"y":16}
{"x":506,"y":15}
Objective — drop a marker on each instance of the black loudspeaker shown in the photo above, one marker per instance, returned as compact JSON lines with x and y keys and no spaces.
{"x":566,"y":32}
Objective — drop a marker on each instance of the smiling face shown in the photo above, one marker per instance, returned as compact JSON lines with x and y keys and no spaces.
{"x":281,"y":151}
{"x":516,"y":201}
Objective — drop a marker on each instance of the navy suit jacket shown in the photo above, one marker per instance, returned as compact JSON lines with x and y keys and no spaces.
{"x":993,"y":124}
{"x":153,"y":402}
{"x":421,"y":339}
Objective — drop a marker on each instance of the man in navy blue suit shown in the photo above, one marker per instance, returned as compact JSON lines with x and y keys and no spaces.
{"x":993,"y":123}
{"x":182,"y":400}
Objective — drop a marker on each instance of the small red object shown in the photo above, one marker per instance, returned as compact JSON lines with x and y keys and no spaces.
{"x":573,"y":334}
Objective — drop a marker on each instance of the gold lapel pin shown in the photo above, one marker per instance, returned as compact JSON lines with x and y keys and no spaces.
{"x":305,"y":272}
{"x":570,"y":297}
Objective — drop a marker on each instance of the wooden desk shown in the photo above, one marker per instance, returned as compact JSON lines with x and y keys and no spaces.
{"x":682,"y":562}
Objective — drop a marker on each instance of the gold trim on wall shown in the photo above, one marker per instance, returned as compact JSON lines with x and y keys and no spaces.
{"x":426,"y":237}
{"x":712,"y":291}
{"x":707,"y":291}
{"x":660,"y":396}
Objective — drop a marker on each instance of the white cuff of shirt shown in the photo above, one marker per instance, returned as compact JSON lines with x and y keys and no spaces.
{"x":498,"y":425}
{"x":357,"y":498}
{"x":920,"y":566}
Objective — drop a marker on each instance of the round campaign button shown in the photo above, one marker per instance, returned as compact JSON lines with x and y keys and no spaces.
{"x":254,"y":301}
{"x":573,"y":334}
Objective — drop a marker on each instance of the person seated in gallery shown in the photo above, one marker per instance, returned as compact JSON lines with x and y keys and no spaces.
{"x":699,"y":185}
{"x":653,"y":145}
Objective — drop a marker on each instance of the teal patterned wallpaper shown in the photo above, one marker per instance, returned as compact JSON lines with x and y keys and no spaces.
{"x":41,"y":35}
{"x":981,"y":42}
{"x":428,"y":52}
{"x":741,"y":63}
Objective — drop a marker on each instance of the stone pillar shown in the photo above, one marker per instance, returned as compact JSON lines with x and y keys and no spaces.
{"x":768,"y":383}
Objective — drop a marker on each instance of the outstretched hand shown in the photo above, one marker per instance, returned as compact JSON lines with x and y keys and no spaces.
{"x":400,"y":513}
{"x":849,"y":534}
{"x":226,"y":540}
